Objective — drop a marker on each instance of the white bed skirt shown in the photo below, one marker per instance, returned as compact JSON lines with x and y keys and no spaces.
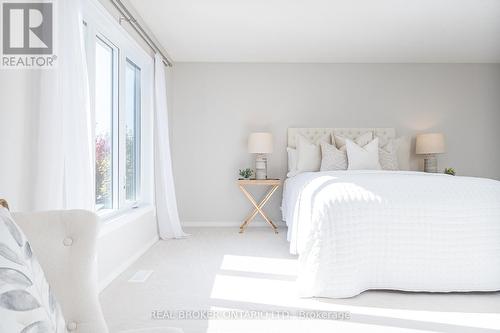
{"x":360,"y":230}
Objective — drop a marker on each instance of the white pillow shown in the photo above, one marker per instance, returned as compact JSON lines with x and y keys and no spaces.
{"x":332,"y":158}
{"x":292,"y":158}
{"x":388,"y":156}
{"x":27,"y":303}
{"x":363,"y":158}
{"x":292,"y":161}
{"x":309,"y":155}
{"x":362,"y":140}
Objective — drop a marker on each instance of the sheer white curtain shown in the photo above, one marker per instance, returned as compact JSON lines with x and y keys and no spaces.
{"x":169,"y":225}
{"x":64,"y":172}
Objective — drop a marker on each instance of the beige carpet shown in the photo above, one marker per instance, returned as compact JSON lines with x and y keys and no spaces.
{"x":220,"y":274}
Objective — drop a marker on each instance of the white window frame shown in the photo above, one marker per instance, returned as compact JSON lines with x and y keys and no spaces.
{"x":99,"y":23}
{"x":138,"y":133}
{"x":115,"y":141}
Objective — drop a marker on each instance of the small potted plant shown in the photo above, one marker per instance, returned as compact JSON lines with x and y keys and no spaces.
{"x":246,"y":173}
{"x":450,"y":171}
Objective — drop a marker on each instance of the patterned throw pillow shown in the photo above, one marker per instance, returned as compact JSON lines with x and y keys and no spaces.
{"x":27,"y":304}
{"x":388,"y":156}
{"x":332,"y":158}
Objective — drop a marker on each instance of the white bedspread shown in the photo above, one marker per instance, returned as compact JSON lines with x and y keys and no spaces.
{"x":359,"y":230}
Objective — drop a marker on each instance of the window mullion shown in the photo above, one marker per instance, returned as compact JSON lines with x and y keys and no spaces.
{"x":116,"y":129}
{"x":138,"y":126}
{"x":122,"y":134}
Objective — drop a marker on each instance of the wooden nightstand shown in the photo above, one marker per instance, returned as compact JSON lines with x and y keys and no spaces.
{"x":258,"y":207}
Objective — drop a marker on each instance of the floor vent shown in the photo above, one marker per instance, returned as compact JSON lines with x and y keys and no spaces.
{"x":140,"y":276}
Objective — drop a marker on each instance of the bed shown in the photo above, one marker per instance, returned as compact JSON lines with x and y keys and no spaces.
{"x":398,"y":230}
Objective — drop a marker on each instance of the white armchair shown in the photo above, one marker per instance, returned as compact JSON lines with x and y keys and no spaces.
{"x":65,"y":245}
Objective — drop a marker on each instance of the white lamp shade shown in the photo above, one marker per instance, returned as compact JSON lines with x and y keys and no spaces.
{"x":260,"y":143}
{"x":430,"y":143}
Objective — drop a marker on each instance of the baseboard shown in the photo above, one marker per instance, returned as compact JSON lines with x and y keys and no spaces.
{"x":253,"y":224}
{"x":120,"y":269}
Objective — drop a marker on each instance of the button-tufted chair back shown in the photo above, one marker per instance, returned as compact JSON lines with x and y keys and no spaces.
{"x":65,"y":244}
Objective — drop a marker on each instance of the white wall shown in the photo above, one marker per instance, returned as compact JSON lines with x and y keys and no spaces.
{"x":123,"y":241}
{"x":215,"y":107}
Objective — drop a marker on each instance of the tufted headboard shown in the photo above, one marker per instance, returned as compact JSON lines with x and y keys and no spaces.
{"x":318,"y":134}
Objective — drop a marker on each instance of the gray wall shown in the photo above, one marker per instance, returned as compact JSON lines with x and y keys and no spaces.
{"x":216,"y":106}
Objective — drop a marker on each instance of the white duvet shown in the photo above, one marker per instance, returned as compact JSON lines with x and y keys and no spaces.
{"x":359,"y":230}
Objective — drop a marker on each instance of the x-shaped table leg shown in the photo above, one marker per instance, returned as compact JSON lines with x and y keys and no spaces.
{"x":258,"y":208}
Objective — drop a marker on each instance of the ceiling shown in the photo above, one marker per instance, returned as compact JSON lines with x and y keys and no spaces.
{"x":324,"y":31}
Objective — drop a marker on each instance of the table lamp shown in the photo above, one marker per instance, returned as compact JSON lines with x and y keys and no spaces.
{"x":430,"y":144}
{"x":260,"y":144}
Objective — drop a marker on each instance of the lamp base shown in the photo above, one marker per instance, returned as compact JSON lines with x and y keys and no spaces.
{"x":260,"y":166}
{"x":430,"y":164}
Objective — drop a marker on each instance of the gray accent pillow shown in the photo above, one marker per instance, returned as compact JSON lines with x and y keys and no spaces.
{"x":388,"y":156}
{"x":27,"y":303}
{"x":332,"y":158}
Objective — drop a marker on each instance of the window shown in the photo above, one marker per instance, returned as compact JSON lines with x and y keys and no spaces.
{"x":121,"y":89}
{"x":104,"y":140}
{"x":132,"y":129}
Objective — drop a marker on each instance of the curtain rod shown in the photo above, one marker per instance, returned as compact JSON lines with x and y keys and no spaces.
{"x":128,"y":17}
